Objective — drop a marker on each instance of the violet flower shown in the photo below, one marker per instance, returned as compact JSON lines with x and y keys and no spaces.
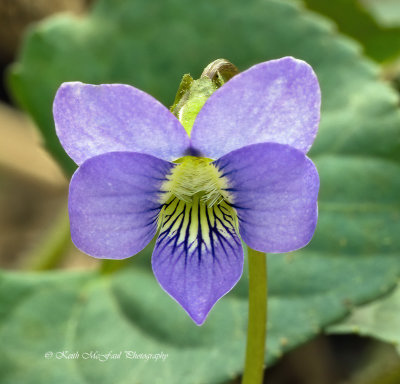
{"x":259,"y":126}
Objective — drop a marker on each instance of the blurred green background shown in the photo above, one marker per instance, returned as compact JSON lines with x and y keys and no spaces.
{"x":334,"y":310}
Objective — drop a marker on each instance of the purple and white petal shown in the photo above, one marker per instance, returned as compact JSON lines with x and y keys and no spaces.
{"x":95,"y":119}
{"x":275,"y":101}
{"x":114,"y":203}
{"x":198,"y":256}
{"x":274,"y":189}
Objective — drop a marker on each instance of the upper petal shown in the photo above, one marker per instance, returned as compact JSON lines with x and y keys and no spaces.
{"x":198,"y":256}
{"x":95,"y":119}
{"x":274,"y":189}
{"x":275,"y":101}
{"x":114,"y":203}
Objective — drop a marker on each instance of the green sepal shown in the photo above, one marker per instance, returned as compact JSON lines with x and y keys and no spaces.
{"x":192,"y":95}
{"x":184,"y":86}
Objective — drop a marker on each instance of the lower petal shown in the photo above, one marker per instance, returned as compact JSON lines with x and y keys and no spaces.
{"x":274,"y":189}
{"x":198,"y":256}
{"x":114,"y":203}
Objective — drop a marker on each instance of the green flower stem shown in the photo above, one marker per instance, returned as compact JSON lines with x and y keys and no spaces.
{"x":108,"y":266}
{"x":256,"y":330}
{"x":54,"y":247}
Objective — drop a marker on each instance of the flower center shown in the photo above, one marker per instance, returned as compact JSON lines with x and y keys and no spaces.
{"x":196,"y":178}
{"x":196,"y":216}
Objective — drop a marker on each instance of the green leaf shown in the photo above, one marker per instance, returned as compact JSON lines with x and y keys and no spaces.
{"x":352,"y":259}
{"x":380,"y":319}
{"x":386,"y":12}
{"x":151,"y":47}
{"x":90,"y":313}
{"x":380,"y":41}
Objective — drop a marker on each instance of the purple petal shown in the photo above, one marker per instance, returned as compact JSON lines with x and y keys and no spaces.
{"x":276,"y":101}
{"x":274,"y":189}
{"x":95,"y":119}
{"x":197,"y":266}
{"x":114,"y":203}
